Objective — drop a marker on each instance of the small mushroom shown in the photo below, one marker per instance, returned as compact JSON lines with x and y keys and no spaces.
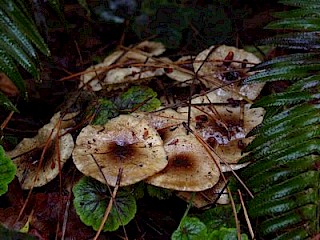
{"x":190,"y":167}
{"x":27,"y":153}
{"x":125,"y":142}
{"x":224,"y":70}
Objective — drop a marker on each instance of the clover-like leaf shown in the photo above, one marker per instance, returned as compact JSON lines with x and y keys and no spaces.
{"x":7,"y":171}
{"x":190,"y":228}
{"x":106,"y":111}
{"x":218,"y":217}
{"x":158,"y":192}
{"x":91,"y":199}
{"x":226,"y":234}
{"x":138,"y":98}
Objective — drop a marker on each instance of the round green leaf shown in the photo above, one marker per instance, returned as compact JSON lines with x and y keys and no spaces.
{"x":7,"y":171}
{"x":91,"y":199}
{"x":226,"y":234}
{"x":106,"y":111}
{"x":190,"y":229}
{"x":138,"y":97}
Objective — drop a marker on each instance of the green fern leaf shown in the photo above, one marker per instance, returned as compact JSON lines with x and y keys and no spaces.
{"x":15,"y":33}
{"x":25,"y":25}
{"x":306,"y":23}
{"x":310,"y":83}
{"x":292,"y":59}
{"x":284,"y":73}
{"x":310,"y":10}
{"x":291,"y":138}
{"x":15,"y":51}
{"x":284,"y":155}
{"x":280,"y":172}
{"x":8,"y":66}
{"x":276,"y":159}
{"x":301,"y":4}
{"x":286,"y":99}
{"x":262,"y":144}
{"x":286,"y":188}
{"x":284,"y":204}
{"x":306,"y":41}
{"x":281,"y":222}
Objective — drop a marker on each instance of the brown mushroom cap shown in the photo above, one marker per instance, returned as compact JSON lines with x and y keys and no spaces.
{"x":27,"y":153}
{"x":124,"y":142}
{"x":190,"y":167}
{"x":215,"y":74}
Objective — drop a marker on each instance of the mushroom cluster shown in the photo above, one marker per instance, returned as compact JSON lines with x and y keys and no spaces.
{"x":185,"y":149}
{"x":191,"y":158}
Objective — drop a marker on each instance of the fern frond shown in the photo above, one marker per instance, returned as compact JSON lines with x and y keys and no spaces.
{"x":285,"y":154}
{"x":301,"y":4}
{"x":19,"y":42}
{"x":25,"y":25}
{"x":287,"y":98}
{"x":8,"y":66}
{"x":306,"y":41}
{"x":306,"y":23}
{"x":292,"y":59}
{"x":307,"y":11}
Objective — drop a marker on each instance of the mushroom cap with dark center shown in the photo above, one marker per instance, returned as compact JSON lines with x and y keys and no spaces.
{"x":126,"y":143}
{"x":190,"y":167}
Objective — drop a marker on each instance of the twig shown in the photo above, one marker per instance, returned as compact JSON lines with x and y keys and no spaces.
{"x":235,"y":214}
{"x":246,"y":215}
{"x":108,"y":209}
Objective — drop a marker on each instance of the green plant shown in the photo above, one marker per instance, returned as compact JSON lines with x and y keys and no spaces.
{"x":7,"y":171}
{"x":284,"y":173}
{"x":91,"y":199}
{"x":19,"y":40}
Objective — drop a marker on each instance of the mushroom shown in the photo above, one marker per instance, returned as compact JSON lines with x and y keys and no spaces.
{"x":190,"y":168}
{"x":224,"y":127}
{"x":224,"y":70}
{"x":103,"y":74}
{"x":27,"y":153}
{"x":125,"y":142}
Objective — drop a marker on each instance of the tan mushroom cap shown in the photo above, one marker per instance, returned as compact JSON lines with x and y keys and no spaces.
{"x":215,"y":74}
{"x":224,"y":127}
{"x":162,"y":119}
{"x":124,"y":142}
{"x":138,"y":54}
{"x":190,"y":167}
{"x":182,"y":72}
{"x":27,"y":153}
{"x":224,"y":123}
